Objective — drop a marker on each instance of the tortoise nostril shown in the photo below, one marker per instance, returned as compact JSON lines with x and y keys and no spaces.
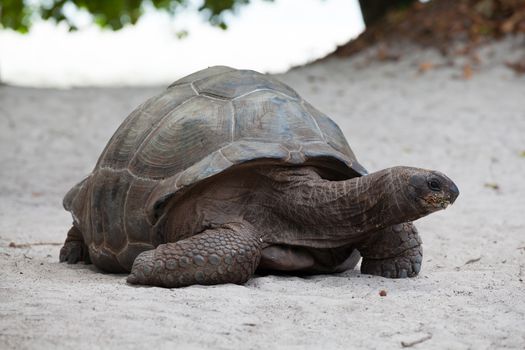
{"x":454,"y":192}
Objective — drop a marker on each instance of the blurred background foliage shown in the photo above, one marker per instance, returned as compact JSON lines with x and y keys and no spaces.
{"x":451,"y":26}
{"x":435,"y":23}
{"x":115,"y":14}
{"x":19,"y":15}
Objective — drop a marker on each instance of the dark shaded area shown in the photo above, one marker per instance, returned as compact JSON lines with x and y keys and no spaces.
{"x":451,"y":26}
{"x":374,"y":10}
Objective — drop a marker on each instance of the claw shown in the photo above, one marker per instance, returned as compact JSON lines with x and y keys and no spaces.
{"x":142,"y":269}
{"x":72,"y":252}
{"x":133,"y":278}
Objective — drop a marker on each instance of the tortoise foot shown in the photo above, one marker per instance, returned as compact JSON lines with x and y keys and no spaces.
{"x":227,"y":254}
{"x":394,"y":252}
{"x":74,"y":251}
{"x":406,"y":265}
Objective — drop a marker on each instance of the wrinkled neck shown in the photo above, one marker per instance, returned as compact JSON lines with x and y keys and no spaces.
{"x":357,"y":205}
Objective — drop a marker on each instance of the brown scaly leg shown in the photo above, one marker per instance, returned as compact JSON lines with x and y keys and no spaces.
{"x":394,"y":252}
{"x":226,"y":254}
{"x":74,"y":249}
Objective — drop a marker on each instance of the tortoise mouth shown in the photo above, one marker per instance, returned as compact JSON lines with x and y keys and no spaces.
{"x":445,"y":204}
{"x":435,"y":203}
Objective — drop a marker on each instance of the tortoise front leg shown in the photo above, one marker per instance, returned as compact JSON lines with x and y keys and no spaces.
{"x":226,"y":254}
{"x":394,"y":252}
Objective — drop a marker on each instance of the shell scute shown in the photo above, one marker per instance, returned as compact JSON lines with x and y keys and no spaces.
{"x":136,"y":128}
{"x":331,"y":131}
{"x":233,"y":84}
{"x":108,"y":197}
{"x":188,"y":134}
{"x":264,"y":116}
{"x":137,"y":195}
{"x":202,"y":74}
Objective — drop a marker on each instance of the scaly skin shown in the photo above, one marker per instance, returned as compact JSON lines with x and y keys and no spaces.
{"x":74,"y":249}
{"x":394,"y":252}
{"x":227,"y":254}
{"x":289,"y":207}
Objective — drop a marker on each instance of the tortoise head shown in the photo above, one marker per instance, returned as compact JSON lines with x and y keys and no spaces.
{"x":426,"y":191}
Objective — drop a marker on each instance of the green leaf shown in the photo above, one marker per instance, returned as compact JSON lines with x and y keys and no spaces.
{"x":114,"y":14}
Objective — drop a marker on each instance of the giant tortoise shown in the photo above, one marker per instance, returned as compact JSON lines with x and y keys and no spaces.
{"x":230,"y":172}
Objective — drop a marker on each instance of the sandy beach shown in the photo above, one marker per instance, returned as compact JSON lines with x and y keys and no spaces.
{"x":470,"y":293}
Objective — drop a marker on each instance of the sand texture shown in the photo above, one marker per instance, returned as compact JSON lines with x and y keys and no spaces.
{"x":469,"y":295}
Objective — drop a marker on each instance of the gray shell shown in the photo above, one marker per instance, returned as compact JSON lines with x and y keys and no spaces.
{"x":201,"y":125}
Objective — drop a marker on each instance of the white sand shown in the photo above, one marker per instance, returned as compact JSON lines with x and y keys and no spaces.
{"x":473,"y":130}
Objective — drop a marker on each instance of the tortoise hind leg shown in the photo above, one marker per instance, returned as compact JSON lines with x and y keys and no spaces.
{"x":74,"y":249}
{"x":226,"y":254}
{"x":394,"y":252}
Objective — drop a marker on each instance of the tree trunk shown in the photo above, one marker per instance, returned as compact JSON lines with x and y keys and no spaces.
{"x":374,"y":10}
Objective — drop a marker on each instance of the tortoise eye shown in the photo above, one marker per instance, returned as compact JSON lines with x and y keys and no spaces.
{"x":434,"y":185}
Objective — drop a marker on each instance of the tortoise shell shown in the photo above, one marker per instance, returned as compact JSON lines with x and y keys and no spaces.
{"x":200,"y":126}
